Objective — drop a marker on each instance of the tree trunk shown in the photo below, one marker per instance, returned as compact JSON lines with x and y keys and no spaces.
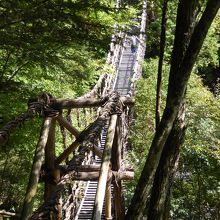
{"x":160,"y":64}
{"x":181,"y":66}
{"x":164,"y":175}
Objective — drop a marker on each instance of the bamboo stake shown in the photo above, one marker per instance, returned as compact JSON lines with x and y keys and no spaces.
{"x":97,"y":212}
{"x":35,"y":172}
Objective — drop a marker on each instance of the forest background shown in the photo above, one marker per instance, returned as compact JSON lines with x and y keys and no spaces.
{"x":61,"y":46}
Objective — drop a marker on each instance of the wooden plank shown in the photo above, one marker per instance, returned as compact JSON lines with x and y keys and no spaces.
{"x":35,"y":171}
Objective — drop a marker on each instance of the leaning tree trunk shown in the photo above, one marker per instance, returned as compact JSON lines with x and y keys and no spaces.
{"x":184,"y":55}
{"x":160,"y":64}
{"x":158,"y":207}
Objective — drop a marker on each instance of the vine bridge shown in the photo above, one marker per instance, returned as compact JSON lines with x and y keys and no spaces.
{"x":86,"y":180}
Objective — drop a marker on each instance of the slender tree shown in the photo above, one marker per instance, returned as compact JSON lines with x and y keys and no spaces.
{"x":160,"y":64}
{"x":185,"y":52}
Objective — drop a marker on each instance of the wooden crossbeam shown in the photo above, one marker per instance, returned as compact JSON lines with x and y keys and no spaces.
{"x":66,"y":153}
{"x":67,"y":125}
{"x":86,"y":175}
{"x":6,"y":214}
{"x":85,"y":102}
{"x":75,"y":144}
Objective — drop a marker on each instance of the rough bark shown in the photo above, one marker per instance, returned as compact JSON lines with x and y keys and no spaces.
{"x":166,"y":169}
{"x":35,"y":171}
{"x":179,"y":76}
{"x":160,"y":64}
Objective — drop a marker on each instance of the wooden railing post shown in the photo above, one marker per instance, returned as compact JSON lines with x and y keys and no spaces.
{"x":100,"y":194}
{"x":35,"y":171}
{"x":49,"y":161}
{"x":108,"y":205}
{"x":119,"y":205}
{"x":50,"y":167}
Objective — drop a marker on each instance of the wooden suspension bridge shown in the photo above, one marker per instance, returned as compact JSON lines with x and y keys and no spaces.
{"x":86,"y":180}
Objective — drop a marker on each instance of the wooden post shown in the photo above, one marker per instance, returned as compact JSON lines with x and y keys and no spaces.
{"x":49,"y":162}
{"x":119,"y":205}
{"x":97,"y":212}
{"x":108,"y":205}
{"x":35,"y":172}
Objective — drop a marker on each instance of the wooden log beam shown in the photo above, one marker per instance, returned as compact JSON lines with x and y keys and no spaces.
{"x":108,"y":205}
{"x":66,"y":153}
{"x":7,"y":214}
{"x":50,"y":163}
{"x":86,"y":175}
{"x":97,"y":151}
{"x":85,"y":102}
{"x":67,"y":125}
{"x":35,"y":171}
{"x":73,"y":147}
{"x":88,"y":168}
{"x":119,"y":204}
{"x":97,"y":212}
